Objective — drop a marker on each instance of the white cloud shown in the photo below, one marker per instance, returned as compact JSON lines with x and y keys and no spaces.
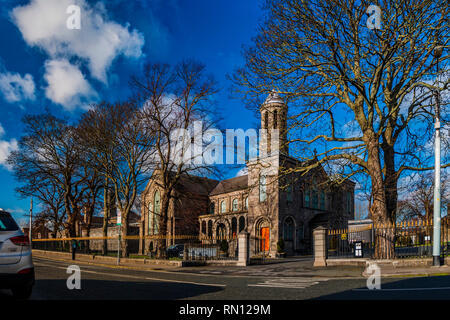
{"x":98,"y":42}
{"x":66,"y":84}
{"x":6,"y":147}
{"x":15,"y":88}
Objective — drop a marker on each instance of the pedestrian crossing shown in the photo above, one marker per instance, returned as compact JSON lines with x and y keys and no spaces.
{"x":289,"y":283}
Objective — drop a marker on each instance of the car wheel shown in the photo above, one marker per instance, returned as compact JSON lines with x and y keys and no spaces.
{"x":23,"y":292}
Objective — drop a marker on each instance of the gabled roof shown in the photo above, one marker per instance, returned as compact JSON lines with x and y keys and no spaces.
{"x":189,"y":184}
{"x":230,"y":185}
{"x":195,"y":185}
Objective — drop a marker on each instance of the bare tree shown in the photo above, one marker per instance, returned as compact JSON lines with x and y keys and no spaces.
{"x":51,"y":198}
{"x":173,"y":99}
{"x":361,"y":97}
{"x":419,"y":196}
{"x":49,"y":155}
{"x":118,"y":140}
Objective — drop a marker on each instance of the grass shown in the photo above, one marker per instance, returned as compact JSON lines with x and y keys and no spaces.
{"x":138,"y":256}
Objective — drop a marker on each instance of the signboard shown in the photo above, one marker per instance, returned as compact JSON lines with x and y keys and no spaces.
{"x":343,"y":236}
{"x":358,"y":249}
{"x":119,"y":217}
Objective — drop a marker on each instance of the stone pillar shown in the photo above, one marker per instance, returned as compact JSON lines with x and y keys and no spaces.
{"x":320,"y":247}
{"x":243,"y":255}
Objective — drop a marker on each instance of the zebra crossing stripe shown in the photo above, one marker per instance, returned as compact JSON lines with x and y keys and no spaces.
{"x":288,"y":283}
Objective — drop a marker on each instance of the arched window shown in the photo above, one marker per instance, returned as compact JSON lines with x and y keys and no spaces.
{"x":262,"y":188}
{"x":246,"y":203}
{"x":266,"y":120}
{"x":223,"y":206}
{"x":307,"y":204}
{"x":315,"y":199}
{"x":212,"y":208}
{"x":289,"y":193}
{"x":204,"y":227}
{"x":322,"y":200}
{"x":288,"y":229}
{"x":275,"y":119}
{"x":156,"y":211}
{"x":221,"y":231}
{"x":235,"y":205}
{"x":234,"y":227}
{"x":241,"y":224}
{"x":150,"y":218}
{"x":210,"y":231}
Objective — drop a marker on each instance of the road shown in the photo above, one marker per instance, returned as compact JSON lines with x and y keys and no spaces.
{"x":107,"y":282}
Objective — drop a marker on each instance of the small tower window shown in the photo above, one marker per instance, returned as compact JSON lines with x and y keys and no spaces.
{"x":262,"y":188}
{"x":266,"y":120}
{"x":275,"y":119}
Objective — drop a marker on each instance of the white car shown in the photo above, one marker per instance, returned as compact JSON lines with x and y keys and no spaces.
{"x":16,"y":264}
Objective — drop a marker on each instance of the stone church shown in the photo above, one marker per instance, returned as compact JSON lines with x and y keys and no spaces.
{"x":271,"y":202}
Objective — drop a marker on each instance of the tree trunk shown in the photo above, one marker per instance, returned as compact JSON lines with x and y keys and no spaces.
{"x":105,"y":217}
{"x":162,"y":242}
{"x":384,"y":239}
{"x":124,"y":234}
{"x":390,"y":182}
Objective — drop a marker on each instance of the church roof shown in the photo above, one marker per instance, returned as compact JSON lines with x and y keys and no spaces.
{"x":195,"y":185}
{"x":230,"y":185}
{"x":273,"y":97}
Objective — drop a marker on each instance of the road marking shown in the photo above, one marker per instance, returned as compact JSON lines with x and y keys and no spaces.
{"x":140,"y":278}
{"x":81,"y":262}
{"x":404,"y":289}
{"x":289,"y":283}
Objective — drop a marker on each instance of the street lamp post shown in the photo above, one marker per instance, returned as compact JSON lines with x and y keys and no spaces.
{"x":437,"y":173}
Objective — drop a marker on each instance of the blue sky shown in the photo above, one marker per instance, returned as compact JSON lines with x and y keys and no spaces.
{"x":45,"y":65}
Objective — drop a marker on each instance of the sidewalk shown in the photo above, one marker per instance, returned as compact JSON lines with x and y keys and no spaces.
{"x":293,"y":267}
{"x":137,"y":264}
{"x":422,"y":271}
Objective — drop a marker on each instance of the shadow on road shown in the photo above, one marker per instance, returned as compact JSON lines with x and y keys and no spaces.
{"x":114,"y":290}
{"x":423,"y":288}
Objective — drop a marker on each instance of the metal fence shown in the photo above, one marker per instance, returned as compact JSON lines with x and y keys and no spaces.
{"x":181,"y":247}
{"x":411,"y":239}
{"x":211,"y":248}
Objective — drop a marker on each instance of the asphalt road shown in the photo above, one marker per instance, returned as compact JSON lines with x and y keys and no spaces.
{"x":106,"y":283}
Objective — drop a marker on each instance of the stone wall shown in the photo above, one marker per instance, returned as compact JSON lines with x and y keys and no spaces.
{"x":97,"y":245}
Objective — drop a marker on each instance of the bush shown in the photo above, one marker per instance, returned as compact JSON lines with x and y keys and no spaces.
{"x":280,"y":246}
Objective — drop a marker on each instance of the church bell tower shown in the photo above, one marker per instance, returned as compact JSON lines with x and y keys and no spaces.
{"x":274,"y":121}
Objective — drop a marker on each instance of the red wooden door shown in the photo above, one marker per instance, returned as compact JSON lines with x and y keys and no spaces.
{"x":265,"y":239}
